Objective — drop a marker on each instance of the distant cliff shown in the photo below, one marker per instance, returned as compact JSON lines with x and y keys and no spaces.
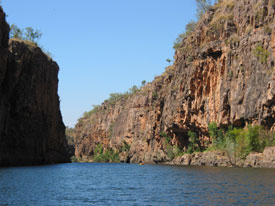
{"x":31,"y":126}
{"x":223,"y":72}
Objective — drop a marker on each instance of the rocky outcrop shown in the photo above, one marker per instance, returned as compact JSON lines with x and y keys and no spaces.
{"x":221,"y":159}
{"x":223,"y":72}
{"x":212,"y":158}
{"x":265,"y":159}
{"x":31,"y":126}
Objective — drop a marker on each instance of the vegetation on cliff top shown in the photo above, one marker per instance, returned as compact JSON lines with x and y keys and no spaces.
{"x":236,"y":142}
{"x":29,"y":35}
{"x":202,"y":7}
{"x":113,"y":99}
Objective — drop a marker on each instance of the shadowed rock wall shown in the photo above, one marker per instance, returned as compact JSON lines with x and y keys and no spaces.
{"x":31,"y":126}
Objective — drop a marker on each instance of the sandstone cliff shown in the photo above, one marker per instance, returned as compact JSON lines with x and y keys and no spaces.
{"x":223,"y":72}
{"x":31,"y":126}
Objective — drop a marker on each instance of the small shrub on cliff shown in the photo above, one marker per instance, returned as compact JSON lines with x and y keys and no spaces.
{"x":189,"y":28}
{"x":168,"y":60}
{"x":16,"y":32}
{"x":194,"y":143}
{"x":216,"y":134}
{"x":252,"y":141}
{"x":202,"y":7}
{"x":261,"y":53}
{"x":230,"y":143}
{"x":178,"y":42}
{"x":155,"y":95}
{"x":167,"y":139}
{"x":96,"y":108}
{"x":28,"y":33}
{"x":75,"y":159}
{"x":171,"y":150}
{"x":98,"y":149}
{"x":126,"y":147}
{"x":143,"y":83}
{"x":134,"y":89}
{"x":111,"y":156}
{"x":114,"y":97}
{"x":32,"y":35}
{"x":105,"y":156}
{"x":217,"y":23}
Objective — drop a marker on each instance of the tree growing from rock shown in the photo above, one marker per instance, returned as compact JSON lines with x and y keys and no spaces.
{"x":28,"y":33}
{"x":32,"y":35}
{"x":16,"y":32}
{"x":202,"y":7}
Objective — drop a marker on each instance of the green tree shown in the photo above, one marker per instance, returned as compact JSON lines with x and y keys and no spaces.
{"x":169,"y":61}
{"x":16,"y":32}
{"x":32,"y":35}
{"x":231,"y":147}
{"x":252,"y":139}
{"x":216,"y":135}
{"x":194,"y":143}
{"x":202,"y":7}
{"x":190,"y":27}
{"x":143,"y":83}
{"x":114,"y":97}
{"x":25,"y":34}
{"x":178,"y":42}
{"x":134,"y":89}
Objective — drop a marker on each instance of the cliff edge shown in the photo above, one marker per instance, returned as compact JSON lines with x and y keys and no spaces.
{"x":31,"y":127}
{"x":223,"y":72}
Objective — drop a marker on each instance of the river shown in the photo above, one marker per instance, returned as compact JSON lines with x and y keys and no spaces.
{"x":131,"y":184}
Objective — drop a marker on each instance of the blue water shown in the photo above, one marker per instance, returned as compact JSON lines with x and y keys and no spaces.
{"x":130,"y":184}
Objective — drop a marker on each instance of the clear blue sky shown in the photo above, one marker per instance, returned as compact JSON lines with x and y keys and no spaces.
{"x":103,"y":46}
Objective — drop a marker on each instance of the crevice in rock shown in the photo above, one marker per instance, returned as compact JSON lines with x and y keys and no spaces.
{"x":211,"y":53}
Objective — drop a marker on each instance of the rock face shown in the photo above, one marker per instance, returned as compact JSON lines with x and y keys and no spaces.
{"x":265,"y":159}
{"x":213,"y":158}
{"x":70,"y":133}
{"x":31,"y":126}
{"x":220,"y":158}
{"x":223,"y":72}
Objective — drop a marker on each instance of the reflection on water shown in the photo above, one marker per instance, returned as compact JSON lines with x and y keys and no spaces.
{"x":130,"y":184}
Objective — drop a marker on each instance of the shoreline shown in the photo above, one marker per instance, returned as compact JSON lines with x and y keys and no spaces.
{"x":216,"y":158}
{"x":221,"y":159}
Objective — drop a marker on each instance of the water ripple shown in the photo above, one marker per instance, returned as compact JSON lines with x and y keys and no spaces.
{"x":130,"y":184}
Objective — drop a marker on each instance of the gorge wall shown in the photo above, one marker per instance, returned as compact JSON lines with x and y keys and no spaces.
{"x":223,"y":72}
{"x":31,"y":126}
